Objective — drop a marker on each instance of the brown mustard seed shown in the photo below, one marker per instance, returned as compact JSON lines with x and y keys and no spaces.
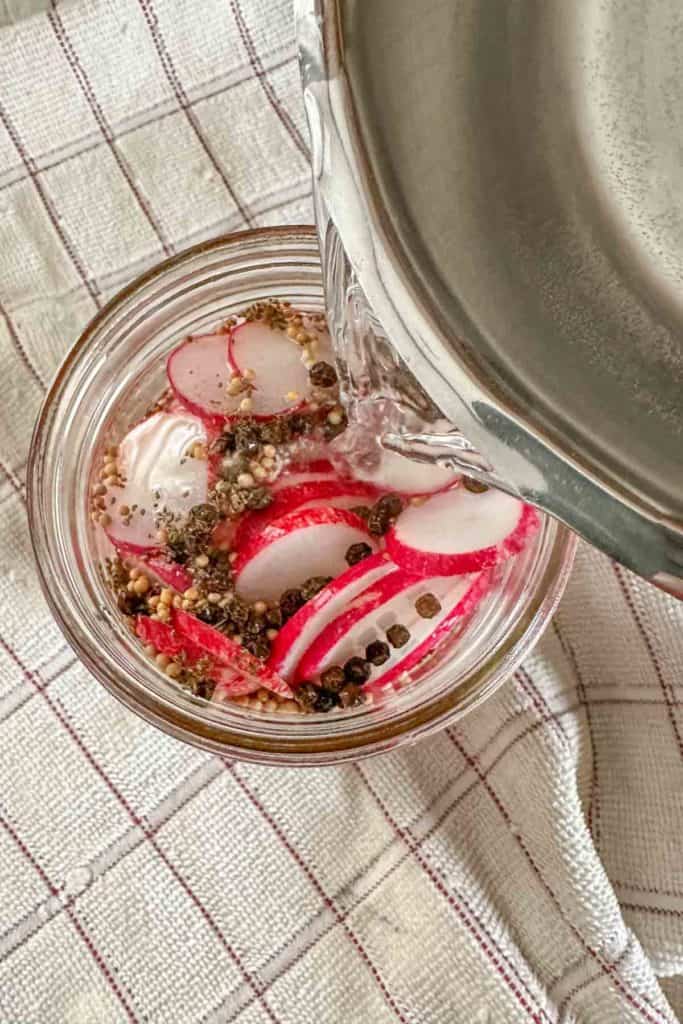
{"x":377,"y":652}
{"x":322,"y":375}
{"x":333,"y":678}
{"x":357,"y":552}
{"x":427,"y":605}
{"x":398,"y":635}
{"x":357,"y":670}
{"x":475,"y":486}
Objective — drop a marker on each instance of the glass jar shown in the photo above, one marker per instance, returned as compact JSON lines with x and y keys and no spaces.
{"x":114,"y":372}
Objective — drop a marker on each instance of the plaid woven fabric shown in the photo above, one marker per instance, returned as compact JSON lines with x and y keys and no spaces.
{"x":524,"y":867}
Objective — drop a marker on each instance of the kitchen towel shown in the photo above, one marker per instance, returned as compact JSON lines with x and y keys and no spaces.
{"x":525,"y":866}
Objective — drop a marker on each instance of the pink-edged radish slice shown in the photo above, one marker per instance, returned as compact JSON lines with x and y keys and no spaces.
{"x":277,"y":364}
{"x":457,"y":605}
{"x":299,"y":632}
{"x":388,"y":602}
{"x":227,"y":652}
{"x":328,"y":493}
{"x":159,"y":568}
{"x":169,"y":641}
{"x":167,"y":572}
{"x":295,"y":547}
{"x":397,"y":473}
{"x":305,"y":473}
{"x":199,"y":372}
{"x":159,"y":475}
{"x":459,"y":531}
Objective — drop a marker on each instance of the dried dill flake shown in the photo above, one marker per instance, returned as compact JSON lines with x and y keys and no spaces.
{"x":427,"y":605}
{"x":475,"y":486}
{"x":247,"y":438}
{"x":397,"y":635}
{"x":357,"y":552}
{"x":322,"y":375}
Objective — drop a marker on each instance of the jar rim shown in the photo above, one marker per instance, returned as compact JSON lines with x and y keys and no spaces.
{"x":295,"y":743}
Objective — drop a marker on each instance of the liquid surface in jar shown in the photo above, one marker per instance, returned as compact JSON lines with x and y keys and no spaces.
{"x":255,"y":556}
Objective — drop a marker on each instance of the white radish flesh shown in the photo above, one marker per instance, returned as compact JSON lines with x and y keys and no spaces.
{"x":459,"y":531}
{"x":395,"y":472}
{"x":389,"y":602}
{"x":280,"y":378}
{"x":290,"y":550}
{"x":160,"y":475}
{"x":199,"y":372}
{"x":299,"y":632}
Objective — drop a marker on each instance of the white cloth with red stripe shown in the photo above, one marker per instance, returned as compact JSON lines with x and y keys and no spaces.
{"x":526,"y":866}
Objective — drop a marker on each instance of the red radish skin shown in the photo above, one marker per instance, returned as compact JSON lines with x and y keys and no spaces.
{"x":278,"y":367}
{"x":168,"y":573}
{"x":304,"y":473}
{"x":168,"y":641}
{"x":456,"y":612}
{"x":472,"y":531}
{"x":299,"y":632}
{"x":295,"y":547}
{"x":159,"y":474}
{"x":198,"y":372}
{"x":328,"y":493}
{"x":227,"y":652}
{"x":392,"y":600}
{"x":374,"y":598}
{"x":161,"y":569}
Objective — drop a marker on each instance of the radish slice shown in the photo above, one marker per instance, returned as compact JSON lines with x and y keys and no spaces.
{"x":406,"y":476}
{"x":198,"y":372}
{"x":159,"y":568}
{"x":277,"y":364}
{"x":300,"y":631}
{"x":459,"y":531}
{"x":330,"y":493}
{"x":380,"y":606}
{"x":294,"y":548}
{"x":160,"y":475}
{"x":167,"y":572}
{"x":227,"y":652}
{"x":426,"y":634}
{"x":169,"y":641}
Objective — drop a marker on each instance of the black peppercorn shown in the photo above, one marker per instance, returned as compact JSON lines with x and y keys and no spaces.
{"x":364,"y":511}
{"x":313,"y":586}
{"x":322,"y":375}
{"x":427,"y":605}
{"x":306,"y":694}
{"x":273,"y":618}
{"x":333,"y":678}
{"x":350,"y":696}
{"x":357,"y":552}
{"x":475,"y":486}
{"x":325,"y":700}
{"x":357,"y":670}
{"x":398,"y":636}
{"x":390,"y":505}
{"x":377,"y":652}
{"x":290,"y":602}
